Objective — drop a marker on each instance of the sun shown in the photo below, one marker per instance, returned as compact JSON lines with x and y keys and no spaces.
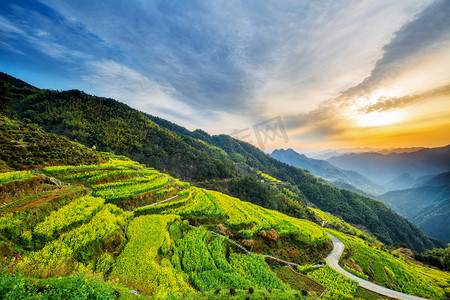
{"x":358,"y":111}
{"x":374,"y":119}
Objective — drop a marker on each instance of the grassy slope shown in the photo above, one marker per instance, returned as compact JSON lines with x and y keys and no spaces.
{"x":376,"y":262}
{"x":337,"y":224}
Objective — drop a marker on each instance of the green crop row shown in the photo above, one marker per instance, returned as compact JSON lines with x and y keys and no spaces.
{"x":339,"y":287}
{"x":75,"y":212}
{"x":194,"y":253}
{"x":99,"y":177}
{"x":151,"y":209}
{"x":217,"y":250}
{"x":356,"y":273}
{"x":58,"y":253}
{"x":165,"y":191}
{"x":244,"y":214}
{"x":212,"y":279}
{"x":200,"y":202}
{"x":209,"y":269}
{"x":85,"y":174}
{"x":95,"y":173}
{"x":137,"y":266}
{"x":111,"y":164}
{"x":132,"y":188}
{"x":126,"y":182}
{"x":253,"y":267}
{"x":11,"y":176}
{"x":268,"y":177}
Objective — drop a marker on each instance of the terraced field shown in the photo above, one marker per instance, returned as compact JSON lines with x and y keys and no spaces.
{"x":75,"y":226}
{"x":129,"y":225}
{"x":239,"y":214}
{"x":121,"y":181}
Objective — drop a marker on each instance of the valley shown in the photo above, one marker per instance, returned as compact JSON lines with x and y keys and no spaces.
{"x":423,"y":200}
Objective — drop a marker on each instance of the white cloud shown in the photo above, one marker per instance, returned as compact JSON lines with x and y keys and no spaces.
{"x":114,"y":80}
{"x":7,"y":27}
{"x":241,"y":56}
{"x":40,"y":41}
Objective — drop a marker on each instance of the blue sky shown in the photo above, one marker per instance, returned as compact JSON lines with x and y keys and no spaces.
{"x":323,"y":66}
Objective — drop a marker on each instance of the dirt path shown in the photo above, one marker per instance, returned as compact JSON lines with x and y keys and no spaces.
{"x":162,"y":201}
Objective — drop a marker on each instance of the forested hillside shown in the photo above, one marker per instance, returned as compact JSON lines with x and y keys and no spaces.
{"x":24,"y":146}
{"x":109,"y":125}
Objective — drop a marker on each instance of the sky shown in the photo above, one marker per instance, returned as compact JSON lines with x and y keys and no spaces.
{"x":308,"y":75}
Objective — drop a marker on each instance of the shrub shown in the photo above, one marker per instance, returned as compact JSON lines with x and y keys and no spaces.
{"x":232,"y":291}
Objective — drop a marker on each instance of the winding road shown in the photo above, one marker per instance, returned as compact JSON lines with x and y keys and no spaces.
{"x":333,"y":261}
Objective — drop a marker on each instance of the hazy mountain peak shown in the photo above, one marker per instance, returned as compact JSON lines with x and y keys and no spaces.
{"x":385,"y":168}
{"x":321,"y":168}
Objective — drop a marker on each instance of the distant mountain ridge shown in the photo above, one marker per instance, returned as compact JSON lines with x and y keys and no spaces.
{"x":427,"y":204}
{"x":406,"y":181}
{"x":326,"y":154}
{"x":385,"y":168}
{"x":399,"y":150}
{"x":327,"y":171}
{"x":425,"y":201}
